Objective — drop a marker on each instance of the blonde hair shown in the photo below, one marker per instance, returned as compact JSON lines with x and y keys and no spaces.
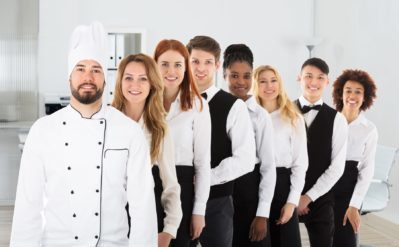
{"x":289,"y":110}
{"x":154,"y":112}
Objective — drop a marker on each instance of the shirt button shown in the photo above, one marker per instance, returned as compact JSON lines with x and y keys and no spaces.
{"x":76,"y":237}
{"x":99,"y":143}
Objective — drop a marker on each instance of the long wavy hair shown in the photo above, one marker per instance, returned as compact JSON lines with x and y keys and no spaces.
{"x":289,"y":110}
{"x":188,"y":88}
{"x":154,"y":112}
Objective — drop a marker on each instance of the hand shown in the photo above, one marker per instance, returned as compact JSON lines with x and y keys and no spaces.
{"x":352,"y":214}
{"x":197,"y":224}
{"x":258,"y":229}
{"x":164,"y":239}
{"x":286,"y":213}
{"x":303,"y":205}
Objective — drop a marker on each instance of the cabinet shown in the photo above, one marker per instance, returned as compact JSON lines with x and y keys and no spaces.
{"x":122,"y":42}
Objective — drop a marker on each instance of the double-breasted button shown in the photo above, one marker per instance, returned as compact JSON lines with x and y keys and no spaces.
{"x":96,"y":214}
{"x":99,"y":143}
{"x":69,"y":168}
{"x":64,"y":123}
{"x":98,"y":167}
{"x":96,"y":237}
{"x":74,"y":215}
{"x":76,"y":237}
{"x":97,"y":190}
{"x":101,"y":122}
{"x":72,"y":192}
{"x":66,"y":144}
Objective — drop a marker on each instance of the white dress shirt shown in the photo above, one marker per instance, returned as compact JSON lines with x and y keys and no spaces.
{"x":240,"y":131}
{"x":263,"y":130}
{"x":362,"y":145}
{"x":191,"y":132}
{"x":338,"y":153}
{"x":79,"y":173}
{"x":291,"y":151}
{"x":170,"y":197}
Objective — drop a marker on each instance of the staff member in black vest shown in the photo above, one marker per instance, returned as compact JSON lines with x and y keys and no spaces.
{"x":233,"y":150}
{"x":253,"y":192}
{"x":290,"y":153}
{"x":327,"y":132}
{"x":354,"y":92}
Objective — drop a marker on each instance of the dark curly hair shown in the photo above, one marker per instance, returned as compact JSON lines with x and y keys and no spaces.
{"x":359,"y":76}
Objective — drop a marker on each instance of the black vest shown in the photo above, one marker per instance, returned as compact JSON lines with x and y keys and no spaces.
{"x":219,"y":108}
{"x":319,"y":135}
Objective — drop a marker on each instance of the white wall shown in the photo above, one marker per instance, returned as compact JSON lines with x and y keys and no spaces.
{"x":356,"y":34}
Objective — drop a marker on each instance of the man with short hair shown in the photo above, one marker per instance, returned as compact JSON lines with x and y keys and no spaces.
{"x":233,"y":150}
{"x":82,"y":164}
{"x":327,"y":132}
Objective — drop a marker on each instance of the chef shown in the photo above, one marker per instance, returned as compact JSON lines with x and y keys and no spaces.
{"x":83,"y":164}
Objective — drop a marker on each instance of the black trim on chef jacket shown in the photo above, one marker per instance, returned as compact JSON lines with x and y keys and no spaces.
{"x":98,"y":237}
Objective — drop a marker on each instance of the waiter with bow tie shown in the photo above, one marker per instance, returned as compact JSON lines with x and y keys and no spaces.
{"x":327,"y":132}
{"x":82,"y":164}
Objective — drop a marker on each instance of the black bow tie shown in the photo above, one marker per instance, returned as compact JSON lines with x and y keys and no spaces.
{"x":306,"y":109}
{"x":204,"y":95}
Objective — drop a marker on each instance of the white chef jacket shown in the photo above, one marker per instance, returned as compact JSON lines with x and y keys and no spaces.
{"x":77,"y":175}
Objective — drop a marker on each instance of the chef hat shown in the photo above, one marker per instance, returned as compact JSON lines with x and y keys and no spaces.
{"x":88,"y":43}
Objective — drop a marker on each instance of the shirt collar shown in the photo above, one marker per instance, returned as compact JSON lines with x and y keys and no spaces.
{"x":211,"y":91}
{"x":251,"y":103}
{"x":304,"y":101}
{"x":361,"y":119}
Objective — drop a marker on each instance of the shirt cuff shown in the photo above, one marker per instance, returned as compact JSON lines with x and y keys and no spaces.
{"x":313,"y":195}
{"x":199,"y":208}
{"x":356,"y":201}
{"x":172,"y":230}
{"x":294,"y":197}
{"x":263,"y":209}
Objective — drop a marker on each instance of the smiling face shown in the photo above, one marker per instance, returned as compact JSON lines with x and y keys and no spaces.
{"x":87,"y":82}
{"x":268,"y":86}
{"x":313,"y":81}
{"x":204,"y":67}
{"x":239,"y":78}
{"x":171,"y":64}
{"x":135,"y":84}
{"x":353,"y":96}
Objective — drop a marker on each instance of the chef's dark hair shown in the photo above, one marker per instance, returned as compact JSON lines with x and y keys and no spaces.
{"x":237,"y":53}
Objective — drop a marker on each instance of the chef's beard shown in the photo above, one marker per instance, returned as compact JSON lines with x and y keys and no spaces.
{"x":87,"y":98}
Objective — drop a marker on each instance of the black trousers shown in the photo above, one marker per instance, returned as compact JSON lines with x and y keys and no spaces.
{"x":286,"y":235}
{"x":320,"y":221}
{"x":185,"y":177}
{"x":158,"y":193}
{"x":245,"y":200}
{"x":218,"y":231}
{"x":344,"y":236}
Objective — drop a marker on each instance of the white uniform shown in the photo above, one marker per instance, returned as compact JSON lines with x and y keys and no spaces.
{"x":77,"y":175}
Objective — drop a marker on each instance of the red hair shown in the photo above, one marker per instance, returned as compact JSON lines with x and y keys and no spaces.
{"x":188,"y":88}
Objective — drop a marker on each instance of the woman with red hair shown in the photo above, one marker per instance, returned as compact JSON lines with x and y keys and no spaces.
{"x":189,"y":121}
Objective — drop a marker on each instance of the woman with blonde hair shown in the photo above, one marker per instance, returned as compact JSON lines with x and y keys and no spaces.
{"x":139,"y":95}
{"x":290,"y":155}
{"x":190,"y":124}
